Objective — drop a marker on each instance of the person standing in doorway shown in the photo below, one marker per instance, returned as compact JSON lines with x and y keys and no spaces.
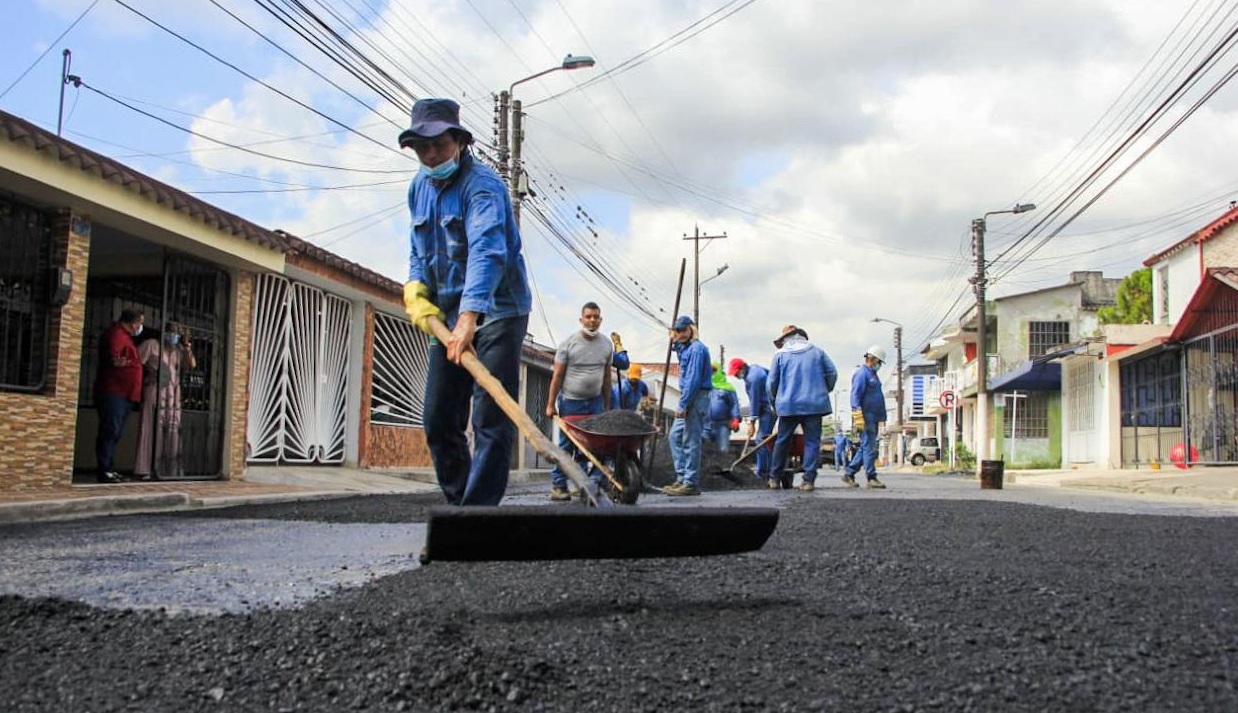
{"x":760,"y":410}
{"x":118,"y":386}
{"x":159,"y":434}
{"x":868,"y":410}
{"x":466,"y":268}
{"x":580,"y":385}
{"x":692,"y":409}
{"x":801,"y":378}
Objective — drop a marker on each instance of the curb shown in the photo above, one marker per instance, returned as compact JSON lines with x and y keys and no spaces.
{"x":222,"y":501}
{"x":71,"y":508}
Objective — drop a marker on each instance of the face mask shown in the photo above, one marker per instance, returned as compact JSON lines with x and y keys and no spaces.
{"x":172,"y":339}
{"x":137,"y":331}
{"x":443,"y":171}
{"x":589,"y":332}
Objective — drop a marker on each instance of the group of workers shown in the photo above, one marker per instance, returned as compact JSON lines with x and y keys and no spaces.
{"x":468,"y":284}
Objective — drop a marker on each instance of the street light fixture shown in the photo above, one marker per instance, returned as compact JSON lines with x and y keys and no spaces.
{"x":696,"y":312}
{"x":509,"y":107}
{"x":898,"y":350}
{"x":716,"y":275}
{"x":979,"y":283}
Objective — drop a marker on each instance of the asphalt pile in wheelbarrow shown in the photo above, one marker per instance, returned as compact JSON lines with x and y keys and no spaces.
{"x":742,"y":476}
{"x":615,"y":423}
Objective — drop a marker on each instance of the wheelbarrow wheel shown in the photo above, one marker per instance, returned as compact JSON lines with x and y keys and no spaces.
{"x":627,"y":473}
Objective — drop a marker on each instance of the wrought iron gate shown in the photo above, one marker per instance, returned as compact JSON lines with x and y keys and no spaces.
{"x":1211,"y":383}
{"x":298,"y":373}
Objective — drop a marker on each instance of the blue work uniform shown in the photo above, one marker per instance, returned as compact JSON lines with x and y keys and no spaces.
{"x":723,"y":410}
{"x":867,"y":396}
{"x":760,"y":410}
{"x":801,"y":378}
{"x":694,"y":388}
{"x":466,"y":248}
{"x":627,"y":394}
{"x":841,"y":443}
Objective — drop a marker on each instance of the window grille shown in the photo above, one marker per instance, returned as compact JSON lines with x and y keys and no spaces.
{"x":25,"y":259}
{"x":1042,"y":337}
{"x":401,"y":367}
{"x":1033,"y":417}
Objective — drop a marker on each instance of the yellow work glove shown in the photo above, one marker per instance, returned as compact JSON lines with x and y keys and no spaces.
{"x":418,"y":305}
{"x":614,"y":339}
{"x":857,"y":420}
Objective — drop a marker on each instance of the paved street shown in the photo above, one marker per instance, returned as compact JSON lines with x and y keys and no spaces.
{"x":933,"y":595}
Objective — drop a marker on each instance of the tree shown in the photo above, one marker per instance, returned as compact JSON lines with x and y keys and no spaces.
{"x":1134,"y":300}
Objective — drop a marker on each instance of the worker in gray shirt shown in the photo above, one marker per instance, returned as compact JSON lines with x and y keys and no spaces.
{"x":580,"y":384}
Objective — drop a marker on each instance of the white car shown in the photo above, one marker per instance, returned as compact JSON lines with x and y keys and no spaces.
{"x":924,"y":449}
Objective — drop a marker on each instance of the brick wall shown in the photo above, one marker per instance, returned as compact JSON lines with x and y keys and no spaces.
{"x":1222,"y":249}
{"x":34,"y":428}
{"x":238,"y":381}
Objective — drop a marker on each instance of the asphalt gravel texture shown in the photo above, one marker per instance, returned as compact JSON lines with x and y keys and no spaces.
{"x":854,"y":604}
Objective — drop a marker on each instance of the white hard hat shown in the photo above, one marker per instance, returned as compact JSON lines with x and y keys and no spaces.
{"x":877,"y":352}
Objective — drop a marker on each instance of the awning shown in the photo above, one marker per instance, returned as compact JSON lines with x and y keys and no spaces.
{"x":1031,"y":375}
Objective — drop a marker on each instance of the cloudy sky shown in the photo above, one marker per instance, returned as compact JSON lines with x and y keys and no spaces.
{"x":843,"y":147}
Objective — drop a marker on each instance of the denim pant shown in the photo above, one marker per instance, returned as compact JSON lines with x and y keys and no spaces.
{"x":840,"y":457}
{"x":573,"y":407}
{"x":765,"y":426}
{"x":718,"y":433}
{"x":811,"y":425}
{"x":686,"y":440}
{"x":113,"y":412}
{"x":866,"y":456}
{"x":480,"y":479}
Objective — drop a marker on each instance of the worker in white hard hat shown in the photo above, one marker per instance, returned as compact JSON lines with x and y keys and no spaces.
{"x":868,"y":409}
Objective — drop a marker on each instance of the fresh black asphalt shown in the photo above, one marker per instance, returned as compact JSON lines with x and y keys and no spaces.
{"x":856,"y":604}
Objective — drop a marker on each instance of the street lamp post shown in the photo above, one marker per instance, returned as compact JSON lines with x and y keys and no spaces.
{"x":979,"y":283}
{"x":511,"y":133}
{"x":898,"y":351}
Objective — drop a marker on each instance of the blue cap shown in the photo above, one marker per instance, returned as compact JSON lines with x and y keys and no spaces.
{"x":432,"y":117}
{"x":683,"y":322}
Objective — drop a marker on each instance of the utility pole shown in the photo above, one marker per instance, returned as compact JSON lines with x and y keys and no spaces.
{"x":898,"y":350}
{"x":504,"y":110}
{"x":696,"y":239}
{"x":982,"y":340}
{"x":64,"y":80}
{"x":721,"y":357}
{"x":520,"y":184}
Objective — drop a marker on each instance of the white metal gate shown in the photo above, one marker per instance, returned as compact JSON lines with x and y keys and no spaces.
{"x":298,"y":373}
{"x":1081,"y":446}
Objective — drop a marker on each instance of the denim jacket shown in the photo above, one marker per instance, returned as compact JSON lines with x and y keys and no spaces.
{"x":694,"y":371}
{"x":465,"y":245}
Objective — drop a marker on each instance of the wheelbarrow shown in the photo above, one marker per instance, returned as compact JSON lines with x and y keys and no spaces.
{"x":623,"y":450}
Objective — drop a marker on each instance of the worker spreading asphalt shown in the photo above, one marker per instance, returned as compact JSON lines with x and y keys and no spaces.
{"x":854,"y":604}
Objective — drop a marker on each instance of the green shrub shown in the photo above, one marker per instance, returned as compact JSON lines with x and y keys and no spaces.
{"x":965,"y":459}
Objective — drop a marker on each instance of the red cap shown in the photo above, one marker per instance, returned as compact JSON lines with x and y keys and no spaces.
{"x":735,"y":366}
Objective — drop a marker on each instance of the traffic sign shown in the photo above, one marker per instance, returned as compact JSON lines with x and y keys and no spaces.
{"x":947,"y":399}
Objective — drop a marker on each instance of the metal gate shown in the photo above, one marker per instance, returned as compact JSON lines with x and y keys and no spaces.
{"x":1151,"y":407}
{"x":298,"y":373}
{"x":1210,"y":379}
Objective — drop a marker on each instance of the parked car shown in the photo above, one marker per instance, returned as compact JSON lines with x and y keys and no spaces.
{"x":923,"y":449}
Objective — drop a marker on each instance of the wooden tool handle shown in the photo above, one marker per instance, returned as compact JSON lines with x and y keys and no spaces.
{"x":528,"y":428}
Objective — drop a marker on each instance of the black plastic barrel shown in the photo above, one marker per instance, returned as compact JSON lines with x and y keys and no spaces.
{"x":991,"y":474}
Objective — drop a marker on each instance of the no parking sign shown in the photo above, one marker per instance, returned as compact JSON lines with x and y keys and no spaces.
{"x":947,"y":399}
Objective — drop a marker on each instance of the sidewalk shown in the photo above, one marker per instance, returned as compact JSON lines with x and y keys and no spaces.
{"x":262,"y":484}
{"x":1204,"y":483}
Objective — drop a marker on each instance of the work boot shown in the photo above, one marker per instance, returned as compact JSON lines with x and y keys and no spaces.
{"x":773,"y":484}
{"x":560,"y":495}
{"x":670,"y":489}
{"x":849,"y":481}
{"x":683,"y":489}
{"x":807,"y":487}
{"x":875,"y":484}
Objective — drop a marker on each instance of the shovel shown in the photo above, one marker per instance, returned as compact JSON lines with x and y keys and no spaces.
{"x":726,"y":472}
{"x":476,"y":533}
